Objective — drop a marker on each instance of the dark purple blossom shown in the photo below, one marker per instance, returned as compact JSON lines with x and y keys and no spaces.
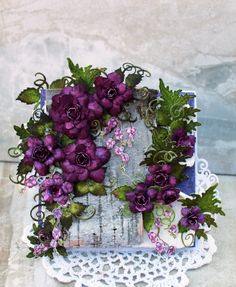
{"x":183,"y":140}
{"x":57,"y":190}
{"x":84,"y":160}
{"x":42,"y":153}
{"x":192,"y":217}
{"x":160,"y":175}
{"x":168,"y":195}
{"x":140,"y":199}
{"x":72,"y":110}
{"x":111,"y":93}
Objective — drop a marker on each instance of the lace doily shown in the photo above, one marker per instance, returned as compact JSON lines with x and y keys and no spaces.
{"x":122,"y":267}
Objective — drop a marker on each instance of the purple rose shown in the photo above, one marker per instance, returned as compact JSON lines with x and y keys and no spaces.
{"x":160,"y":175}
{"x":192,"y":217}
{"x":84,"y":160}
{"x":111,"y":93}
{"x":140,"y":198}
{"x":55,"y":189}
{"x":168,"y":195}
{"x":183,"y":140}
{"x":42,"y":153}
{"x":72,"y":111}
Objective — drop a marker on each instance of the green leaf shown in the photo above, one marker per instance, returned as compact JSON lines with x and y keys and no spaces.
{"x":33,"y":240}
{"x":133,"y":79}
{"x":81,"y":188}
{"x":65,"y":140}
{"x":148,"y":220}
{"x":36,"y":128}
{"x":29,"y":96}
{"x":182,"y":229}
{"x":120,"y":192}
{"x":76,"y":208}
{"x":62,"y":250}
{"x":21,"y":132}
{"x":97,"y":189}
{"x":210,"y":221}
{"x":162,"y":118}
{"x":23,"y":168}
{"x":30,"y":255}
{"x":201,"y":233}
{"x":66,"y":220}
{"x":84,"y":75}
{"x":178,"y":172}
{"x":125,"y":210}
{"x":49,"y":253}
{"x":57,"y":84}
{"x":207,"y":202}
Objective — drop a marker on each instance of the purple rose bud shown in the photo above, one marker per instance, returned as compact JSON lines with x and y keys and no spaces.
{"x":192,"y":217}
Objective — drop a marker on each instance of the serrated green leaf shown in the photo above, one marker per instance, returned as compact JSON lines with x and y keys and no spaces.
{"x":209,"y":220}
{"x":133,"y":80}
{"x":148,"y":220}
{"x":120,"y":192}
{"x":65,"y":140}
{"x":21,"y":132}
{"x":162,"y":118}
{"x":201,"y":233}
{"x":178,"y":172}
{"x":207,"y":202}
{"x":29,"y":96}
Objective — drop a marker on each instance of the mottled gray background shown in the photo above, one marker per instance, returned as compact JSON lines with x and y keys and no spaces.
{"x":190,"y":44}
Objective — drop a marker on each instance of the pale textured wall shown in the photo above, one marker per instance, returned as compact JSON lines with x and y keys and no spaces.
{"x":190,"y":44}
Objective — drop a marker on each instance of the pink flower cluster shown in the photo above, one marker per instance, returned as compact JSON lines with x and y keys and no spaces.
{"x":161,"y":247}
{"x":119,"y":139}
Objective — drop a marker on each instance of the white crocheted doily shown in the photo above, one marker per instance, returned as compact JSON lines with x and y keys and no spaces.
{"x":134,"y":267}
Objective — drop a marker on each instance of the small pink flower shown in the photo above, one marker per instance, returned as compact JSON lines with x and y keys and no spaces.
{"x":53,"y":243}
{"x":110,"y":143}
{"x":158,"y":222}
{"x":119,"y":150}
{"x":131,"y":132}
{"x":173,"y":229}
{"x":112,"y":123}
{"x":125,"y":157}
{"x":30,"y":181}
{"x":171,"y":250}
{"x":119,"y":134}
{"x":160,"y":248}
{"x":168,"y":213}
{"x":152,"y":236}
{"x":56,"y":233}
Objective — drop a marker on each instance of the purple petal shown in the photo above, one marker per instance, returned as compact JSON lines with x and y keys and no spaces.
{"x":97,"y":175}
{"x":130,"y":196}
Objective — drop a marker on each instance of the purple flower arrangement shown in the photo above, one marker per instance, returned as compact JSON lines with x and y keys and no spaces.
{"x":62,"y":158}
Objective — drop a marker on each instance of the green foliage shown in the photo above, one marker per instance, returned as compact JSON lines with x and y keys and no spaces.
{"x":207,"y":201}
{"x":66,"y":220}
{"x":64,"y":140}
{"x":201,"y":233}
{"x":90,"y":186}
{"x":133,"y":80}
{"x":120,"y":192}
{"x":62,"y":250}
{"x":76,"y":208}
{"x":23,"y":168}
{"x":30,"y":255}
{"x":210,"y":221}
{"x":21,"y":132}
{"x":148,"y":220}
{"x":29,"y":96}
{"x":33,"y":240}
{"x":57,"y":84}
{"x":182,"y":229}
{"x":84,"y":75}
